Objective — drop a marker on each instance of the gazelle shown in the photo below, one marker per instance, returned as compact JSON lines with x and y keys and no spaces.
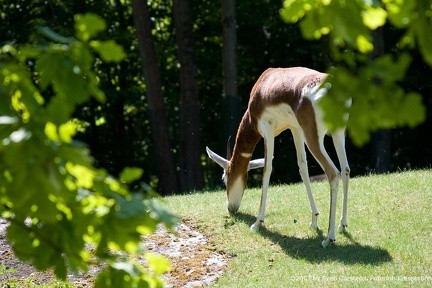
{"x":286,"y":98}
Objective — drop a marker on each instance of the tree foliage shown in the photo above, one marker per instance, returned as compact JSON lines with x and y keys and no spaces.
{"x":118,"y":131}
{"x":374,"y":87}
{"x":57,"y":202}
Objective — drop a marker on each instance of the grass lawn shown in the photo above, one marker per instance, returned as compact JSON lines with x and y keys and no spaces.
{"x":388,"y":243}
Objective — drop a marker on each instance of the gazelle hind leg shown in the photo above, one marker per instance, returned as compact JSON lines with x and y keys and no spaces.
{"x":331,"y":235}
{"x":344,"y":219}
{"x":304,"y":173}
{"x":339,"y":143}
{"x":315,"y":144}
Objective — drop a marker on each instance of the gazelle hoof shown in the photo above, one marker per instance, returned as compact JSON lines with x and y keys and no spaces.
{"x":342,"y":228}
{"x":327,"y":242}
{"x":255,"y":227}
{"x":314,"y":225}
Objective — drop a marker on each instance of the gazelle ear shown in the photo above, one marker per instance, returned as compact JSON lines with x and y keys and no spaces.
{"x":218,"y":159}
{"x":257,"y":163}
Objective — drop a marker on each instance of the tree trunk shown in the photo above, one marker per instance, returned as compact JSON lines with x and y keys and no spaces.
{"x":190,"y":149}
{"x":164,"y":158}
{"x":381,"y":139}
{"x":231,"y":110}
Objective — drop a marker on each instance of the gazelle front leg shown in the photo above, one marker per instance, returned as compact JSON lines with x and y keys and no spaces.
{"x":304,"y":173}
{"x":269,"y":149}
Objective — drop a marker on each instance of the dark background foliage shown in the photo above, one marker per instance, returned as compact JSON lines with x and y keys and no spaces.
{"x":118,"y":131}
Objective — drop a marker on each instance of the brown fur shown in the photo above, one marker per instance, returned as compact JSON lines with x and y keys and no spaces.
{"x":246,"y":140}
{"x":282,"y":85}
{"x":276,"y":86}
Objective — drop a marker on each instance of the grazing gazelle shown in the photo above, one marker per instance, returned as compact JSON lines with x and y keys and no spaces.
{"x":286,"y":98}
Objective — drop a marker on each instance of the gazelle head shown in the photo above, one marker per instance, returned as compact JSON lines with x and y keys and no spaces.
{"x":235,"y":175}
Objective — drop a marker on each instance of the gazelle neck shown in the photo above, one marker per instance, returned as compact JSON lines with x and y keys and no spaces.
{"x":246,"y":140}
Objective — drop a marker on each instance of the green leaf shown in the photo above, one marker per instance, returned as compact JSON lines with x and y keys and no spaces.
{"x":67,"y":131}
{"x":59,"y":110}
{"x":130,"y":174}
{"x":109,"y":50}
{"x":374,"y":17}
{"x":388,"y":69}
{"x":131,"y":207}
{"x":309,"y":27}
{"x":293,"y":11}
{"x":83,"y":175}
{"x":348,"y":23}
{"x":125,"y":275}
{"x":127,"y":267}
{"x":97,"y":93}
{"x":110,"y":277}
{"x":363,"y":44}
{"x":51,"y":131}
{"x":71,"y":86}
{"x":76,"y":153}
{"x":47,"y":67}
{"x":19,"y":238}
{"x":60,"y":269}
{"x":28,"y":51}
{"x":413,"y":112}
{"x":82,"y":57}
{"x":161,"y":214}
{"x":423,"y":28}
{"x":88,"y":25}
{"x":400,"y":12}
{"x":158,"y":263}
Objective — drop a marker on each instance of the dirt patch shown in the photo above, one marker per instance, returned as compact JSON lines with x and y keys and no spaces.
{"x":194,"y":260}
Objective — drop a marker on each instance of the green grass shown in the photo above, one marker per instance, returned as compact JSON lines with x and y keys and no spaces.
{"x":388,"y":243}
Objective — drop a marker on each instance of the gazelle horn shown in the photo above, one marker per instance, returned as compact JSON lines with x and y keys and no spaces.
{"x":229,"y":148}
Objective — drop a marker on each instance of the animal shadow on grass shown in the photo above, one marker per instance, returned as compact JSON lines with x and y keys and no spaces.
{"x":310,"y":248}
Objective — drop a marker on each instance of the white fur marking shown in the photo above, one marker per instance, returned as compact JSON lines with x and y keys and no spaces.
{"x":246,"y":155}
{"x":236,"y":193}
{"x":280,"y":117}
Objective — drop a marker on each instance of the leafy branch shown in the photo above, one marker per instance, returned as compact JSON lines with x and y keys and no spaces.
{"x":57,"y":202}
{"x":378,"y":101}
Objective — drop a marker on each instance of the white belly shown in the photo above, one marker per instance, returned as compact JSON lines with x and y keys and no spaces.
{"x":280,"y":118}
